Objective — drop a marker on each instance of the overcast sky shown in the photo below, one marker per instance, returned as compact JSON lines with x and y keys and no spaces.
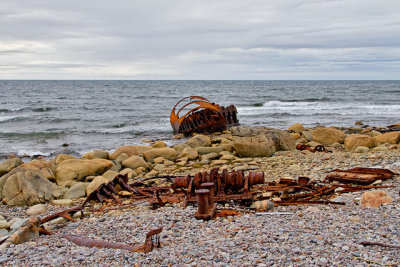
{"x":150,"y":39}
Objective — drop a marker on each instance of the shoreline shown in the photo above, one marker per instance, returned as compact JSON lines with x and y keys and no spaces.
{"x":310,"y":235}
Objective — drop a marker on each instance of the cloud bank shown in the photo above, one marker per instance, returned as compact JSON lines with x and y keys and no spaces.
{"x":164,"y":39}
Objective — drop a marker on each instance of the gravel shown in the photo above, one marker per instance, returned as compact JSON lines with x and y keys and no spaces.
{"x":323,"y":236}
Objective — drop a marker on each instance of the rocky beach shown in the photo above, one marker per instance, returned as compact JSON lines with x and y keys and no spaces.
{"x":294,"y":235}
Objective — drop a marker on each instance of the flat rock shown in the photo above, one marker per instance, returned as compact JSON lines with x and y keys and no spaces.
{"x":37,"y":209}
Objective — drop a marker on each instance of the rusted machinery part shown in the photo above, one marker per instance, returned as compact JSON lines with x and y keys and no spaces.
{"x":202,"y":103}
{"x":360,"y":175}
{"x":67,"y":214}
{"x":318,"y":148}
{"x":152,"y":240}
{"x":109,"y":189}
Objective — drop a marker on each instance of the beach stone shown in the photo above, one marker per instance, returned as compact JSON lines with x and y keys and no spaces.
{"x":190,"y":153}
{"x":61,"y":157}
{"x":209,"y":156}
{"x":122,"y":157}
{"x":77,"y":169}
{"x":201,"y":150}
{"x":328,"y":136}
{"x":28,"y":187}
{"x":110,"y":174}
{"x":166,"y":153}
{"x":375,"y":198}
{"x":297,"y":128}
{"x":159,"y":144}
{"x":228,"y":157}
{"x":99,"y":180}
{"x":134,"y":162}
{"x":96,"y":154}
{"x":263,"y":205}
{"x":159,"y":167}
{"x":3,"y":232}
{"x":356,"y":140}
{"x":282,"y":139}
{"x":28,"y":231}
{"x":199,"y":140}
{"x":9,"y":164}
{"x":380,"y":148}
{"x":259,"y":146}
{"x":296,"y":136}
{"x":62,"y":202}
{"x":374,"y":133}
{"x":76,"y":191}
{"x":17,"y":223}
{"x":4,"y":224}
{"x":313,"y":144}
{"x":307,"y":135}
{"x":180,"y":147}
{"x":158,"y":160}
{"x":361,"y":149}
{"x":218,"y":162}
{"x":131,"y":173}
{"x":37,"y":209}
{"x":129,"y":150}
{"x":388,"y":138}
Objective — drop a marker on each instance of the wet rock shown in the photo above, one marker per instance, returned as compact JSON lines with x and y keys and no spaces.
{"x":37,"y":209}
{"x":9,"y":164}
{"x":375,"y":198}
{"x":134,"y":162}
{"x":77,"y":169}
{"x":328,"y":136}
{"x":129,"y":150}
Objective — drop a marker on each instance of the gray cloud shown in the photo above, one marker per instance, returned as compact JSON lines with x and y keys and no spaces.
{"x":163,"y":39}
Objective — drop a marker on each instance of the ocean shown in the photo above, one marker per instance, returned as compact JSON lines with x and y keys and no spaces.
{"x":50,"y":117}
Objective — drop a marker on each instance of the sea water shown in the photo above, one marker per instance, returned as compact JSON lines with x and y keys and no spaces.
{"x":49,"y":117}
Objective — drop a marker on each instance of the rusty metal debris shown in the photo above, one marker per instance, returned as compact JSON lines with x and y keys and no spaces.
{"x":152,"y":241}
{"x":318,"y":148}
{"x":360,"y":175}
{"x":110,"y":189}
{"x":204,"y":117}
{"x":66,"y":214}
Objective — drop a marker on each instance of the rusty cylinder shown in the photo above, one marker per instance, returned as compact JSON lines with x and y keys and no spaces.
{"x":210,"y":187}
{"x":202,"y":200}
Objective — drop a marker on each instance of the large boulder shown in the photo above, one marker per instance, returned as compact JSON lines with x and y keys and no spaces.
{"x":257,"y":146}
{"x":282,"y":139}
{"x":28,"y":187}
{"x":129,"y":150}
{"x":61,"y":157}
{"x":45,"y":167}
{"x":77,"y":169}
{"x":328,"y":136}
{"x":9,"y":164}
{"x":355,"y":140}
{"x":166,"y":152}
{"x":199,"y":140}
{"x":134,"y":162}
{"x":202,"y":150}
{"x":389,"y":138}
